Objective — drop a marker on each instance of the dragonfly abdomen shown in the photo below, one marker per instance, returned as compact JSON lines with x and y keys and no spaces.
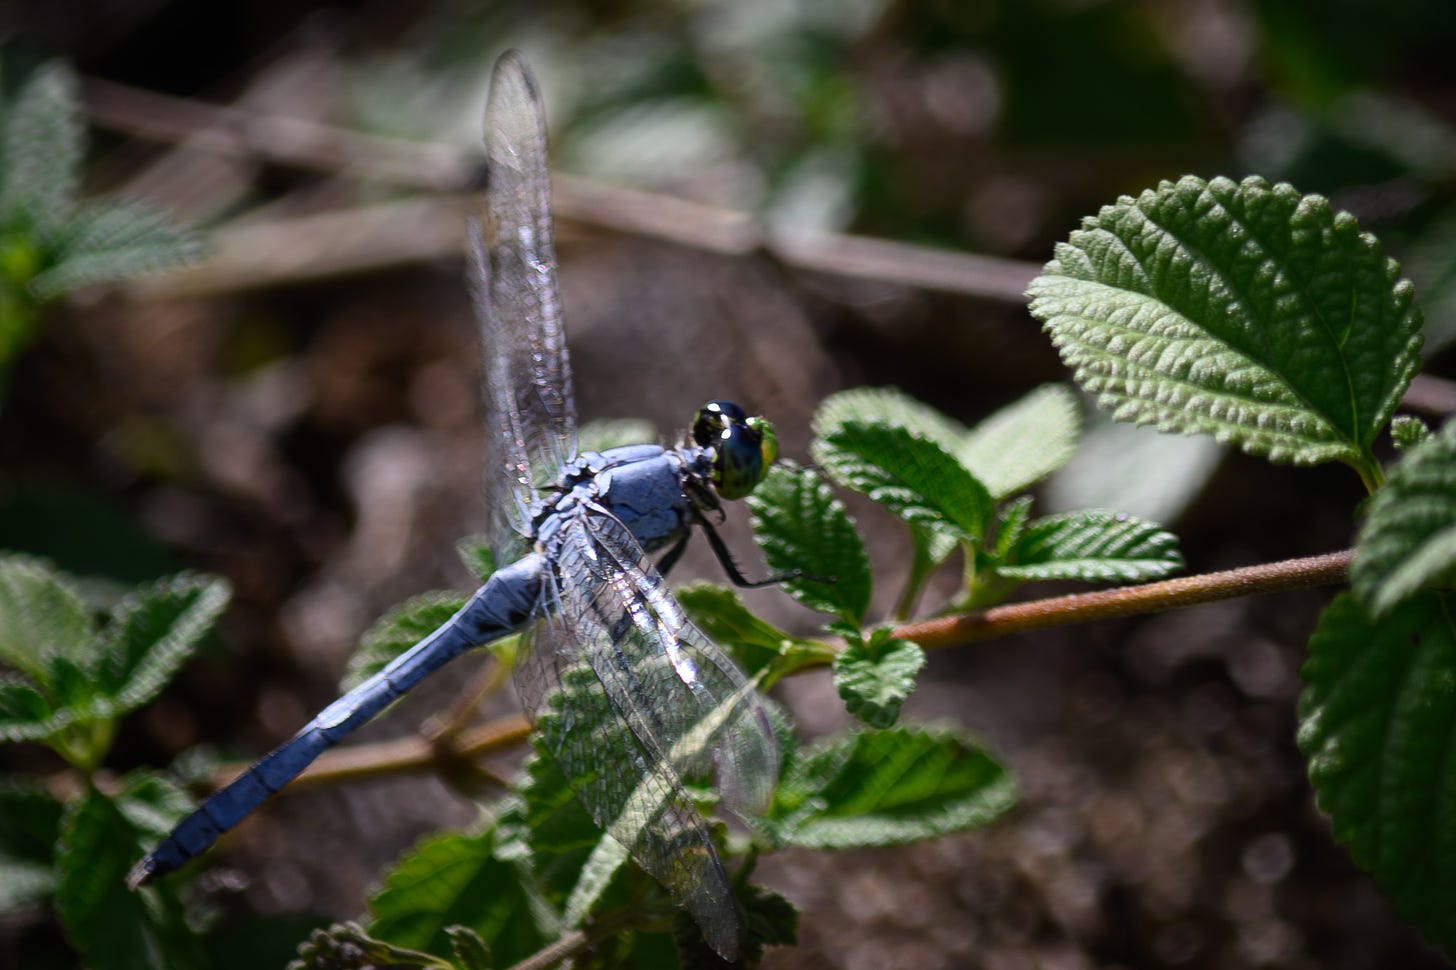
{"x":506,"y":601}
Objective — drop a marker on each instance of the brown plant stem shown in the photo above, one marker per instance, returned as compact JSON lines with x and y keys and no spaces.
{"x":406,"y":754}
{"x":1168,"y":594}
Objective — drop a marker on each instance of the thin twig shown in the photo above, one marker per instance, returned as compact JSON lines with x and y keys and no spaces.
{"x":447,"y":727}
{"x":239,"y":132}
{"x":344,"y":241}
{"x":1157,"y":597}
{"x":406,"y":754}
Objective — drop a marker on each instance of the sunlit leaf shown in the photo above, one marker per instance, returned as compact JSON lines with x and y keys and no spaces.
{"x":756,"y":644}
{"x":1024,"y":442}
{"x":800,"y":525}
{"x":1094,"y":545}
{"x":41,"y":144}
{"x":153,"y":632}
{"x":874,"y":675}
{"x":1241,"y":310}
{"x":41,"y":617}
{"x":912,"y":476}
{"x":889,"y":406}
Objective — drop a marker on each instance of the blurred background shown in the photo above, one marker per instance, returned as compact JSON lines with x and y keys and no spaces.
{"x":300,"y":413}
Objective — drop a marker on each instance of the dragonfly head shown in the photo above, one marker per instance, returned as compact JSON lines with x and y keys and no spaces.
{"x":744,"y":448}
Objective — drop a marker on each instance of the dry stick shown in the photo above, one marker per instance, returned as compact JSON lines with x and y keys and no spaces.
{"x":406,"y":754}
{"x":440,"y":168}
{"x":371,"y":237}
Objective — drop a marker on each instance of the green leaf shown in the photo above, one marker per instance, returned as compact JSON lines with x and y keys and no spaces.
{"x":112,"y":927}
{"x":888,"y":406}
{"x":345,"y":946}
{"x":153,"y":632}
{"x":1375,"y":723}
{"x":597,"y":875}
{"x":30,"y":823}
{"x":888,"y":787}
{"x":606,"y":433}
{"x":1021,"y":444}
{"x":106,"y":242}
{"x":875,"y":676}
{"x":1407,"y":431}
{"x":1408,"y":540}
{"x":457,"y":880}
{"x":396,"y":631}
{"x":42,"y":617}
{"x":768,"y":920}
{"x":1011,"y":524}
{"x":476,"y":554}
{"x":1094,"y":545}
{"x":25,"y":713}
{"x":1008,"y":451}
{"x":757,"y":645}
{"x":40,"y":150}
{"x":1240,"y":310}
{"x":468,"y":948}
{"x":799,"y":524}
{"x":911,"y":475}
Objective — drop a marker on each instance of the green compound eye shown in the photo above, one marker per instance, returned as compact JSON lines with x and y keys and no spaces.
{"x":744,"y":448}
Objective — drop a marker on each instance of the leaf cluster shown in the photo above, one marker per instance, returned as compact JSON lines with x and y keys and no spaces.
{"x":69,"y":682}
{"x":1266,"y":319}
{"x":958,"y":490}
{"x":51,"y":242}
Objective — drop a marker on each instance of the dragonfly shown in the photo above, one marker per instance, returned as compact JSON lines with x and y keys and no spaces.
{"x":630,"y":696}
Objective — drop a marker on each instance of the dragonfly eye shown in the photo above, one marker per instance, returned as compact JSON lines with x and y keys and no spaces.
{"x":744,"y":448}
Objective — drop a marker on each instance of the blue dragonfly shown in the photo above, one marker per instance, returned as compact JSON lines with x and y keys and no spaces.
{"x":636,"y":697}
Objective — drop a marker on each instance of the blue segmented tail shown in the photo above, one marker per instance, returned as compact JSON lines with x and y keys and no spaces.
{"x":503,"y":604}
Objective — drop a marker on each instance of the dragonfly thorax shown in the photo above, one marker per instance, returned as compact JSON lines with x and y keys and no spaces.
{"x":646,"y":487}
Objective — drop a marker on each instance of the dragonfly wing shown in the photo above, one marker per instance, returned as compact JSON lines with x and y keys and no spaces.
{"x":626,"y":783}
{"x":689,"y":693}
{"x":646,"y":699}
{"x":530,"y":414}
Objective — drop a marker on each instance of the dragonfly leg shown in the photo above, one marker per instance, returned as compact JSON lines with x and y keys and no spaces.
{"x":725,"y":559}
{"x":670,"y":558}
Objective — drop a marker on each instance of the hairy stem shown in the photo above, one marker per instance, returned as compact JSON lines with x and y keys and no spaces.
{"x":1157,"y":597}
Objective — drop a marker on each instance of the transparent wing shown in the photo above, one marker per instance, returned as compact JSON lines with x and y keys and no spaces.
{"x":634,"y":698}
{"x":530,"y":415}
